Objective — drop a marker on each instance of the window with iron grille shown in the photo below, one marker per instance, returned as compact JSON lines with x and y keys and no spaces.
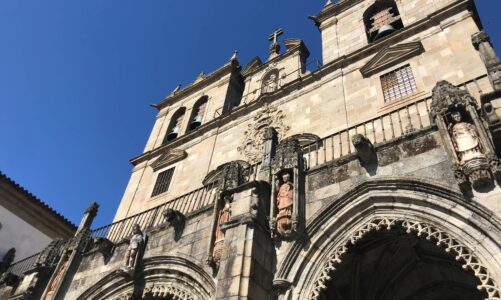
{"x":398,"y":83}
{"x":163,"y":182}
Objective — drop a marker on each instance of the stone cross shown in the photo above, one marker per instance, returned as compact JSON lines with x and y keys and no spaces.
{"x":274,"y":36}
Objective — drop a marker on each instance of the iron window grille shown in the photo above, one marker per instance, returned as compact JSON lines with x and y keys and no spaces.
{"x":398,"y":83}
{"x":163,"y":182}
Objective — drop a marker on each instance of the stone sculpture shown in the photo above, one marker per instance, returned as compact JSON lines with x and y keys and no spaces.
{"x":135,"y":244}
{"x":465,"y":139}
{"x":270,"y":85}
{"x":285,"y":201}
{"x":223,"y":217}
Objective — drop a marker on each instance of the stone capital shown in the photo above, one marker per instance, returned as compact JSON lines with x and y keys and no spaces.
{"x":479,"y":38}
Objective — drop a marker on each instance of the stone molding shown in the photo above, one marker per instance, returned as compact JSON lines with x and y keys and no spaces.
{"x":399,"y":198}
{"x":390,"y":56}
{"x":168,"y":158}
{"x":179,"y":276}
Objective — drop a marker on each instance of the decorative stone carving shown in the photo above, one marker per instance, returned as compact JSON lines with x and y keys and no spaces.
{"x":229,"y":175}
{"x":287,"y":205}
{"x":7,"y":259}
{"x":136,"y":243}
{"x":101,"y":245}
{"x":223,"y":216}
{"x":285,"y":201}
{"x":270,"y":82}
{"x":464,"y":255}
{"x":252,"y":145}
{"x":49,"y":257}
{"x":365,"y":149}
{"x":175,"y":219}
{"x":9,"y":279}
{"x":155,"y":291}
{"x":467,"y":142}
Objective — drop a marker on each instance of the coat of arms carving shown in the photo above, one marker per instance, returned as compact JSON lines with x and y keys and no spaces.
{"x":252,"y":145}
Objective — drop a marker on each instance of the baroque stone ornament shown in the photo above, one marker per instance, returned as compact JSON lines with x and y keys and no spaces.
{"x":134,"y":249}
{"x":252,"y":145}
{"x":464,"y":255}
{"x":454,"y":111}
{"x":287,"y":205}
{"x":270,"y":82}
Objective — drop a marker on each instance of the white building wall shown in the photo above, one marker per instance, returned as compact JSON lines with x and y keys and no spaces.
{"x":17,"y":233}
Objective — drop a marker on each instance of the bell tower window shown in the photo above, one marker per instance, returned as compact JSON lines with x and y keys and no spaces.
{"x":382,"y":19}
{"x":198,"y":113}
{"x":174,"y":128}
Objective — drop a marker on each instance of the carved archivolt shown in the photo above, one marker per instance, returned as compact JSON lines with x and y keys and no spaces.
{"x":252,"y":144}
{"x":463,"y":254}
{"x":163,"y":290}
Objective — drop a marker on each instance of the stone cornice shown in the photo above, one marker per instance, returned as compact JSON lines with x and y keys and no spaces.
{"x":342,"y":62}
{"x":197,"y":85}
{"x":334,"y":9}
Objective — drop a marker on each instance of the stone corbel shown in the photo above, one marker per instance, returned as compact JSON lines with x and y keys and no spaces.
{"x":365,"y":150}
{"x":287,"y":165}
{"x":281,"y":286}
{"x":176,"y":220}
{"x":466,"y":140}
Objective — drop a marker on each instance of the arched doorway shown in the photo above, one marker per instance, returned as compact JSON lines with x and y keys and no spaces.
{"x":462,"y":230}
{"x":396,"y":265}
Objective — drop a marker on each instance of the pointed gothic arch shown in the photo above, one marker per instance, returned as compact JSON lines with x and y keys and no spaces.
{"x":164,"y":277}
{"x":430,"y":210}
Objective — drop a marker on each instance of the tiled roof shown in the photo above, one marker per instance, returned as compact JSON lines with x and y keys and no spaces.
{"x":38,"y":202}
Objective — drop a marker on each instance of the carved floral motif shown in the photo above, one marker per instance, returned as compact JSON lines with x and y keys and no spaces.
{"x":252,"y":144}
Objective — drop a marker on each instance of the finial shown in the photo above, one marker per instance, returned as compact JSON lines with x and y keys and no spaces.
{"x":92,"y":209}
{"x":234,"y":56}
{"x":328,"y":2}
{"x":200,"y":76}
{"x":275,"y":46}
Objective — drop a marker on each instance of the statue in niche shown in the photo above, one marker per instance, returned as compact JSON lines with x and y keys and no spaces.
{"x":223,"y":217}
{"x":270,"y":84}
{"x":465,"y":139}
{"x":285,"y":200}
{"x":135,"y":244}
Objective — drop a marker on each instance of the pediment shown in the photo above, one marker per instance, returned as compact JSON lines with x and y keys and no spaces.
{"x":390,"y":56}
{"x":168,"y":158}
{"x":252,"y":65}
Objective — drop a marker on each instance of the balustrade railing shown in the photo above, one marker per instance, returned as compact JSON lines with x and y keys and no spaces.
{"x":20,"y":267}
{"x":382,"y":129}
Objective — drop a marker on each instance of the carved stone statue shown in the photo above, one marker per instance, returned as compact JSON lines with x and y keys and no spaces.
{"x":223,"y":217}
{"x":271,"y":84}
{"x":135,"y":244}
{"x":285,"y":201}
{"x":465,"y":139}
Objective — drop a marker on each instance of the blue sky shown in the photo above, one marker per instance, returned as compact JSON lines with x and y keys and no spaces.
{"x":77,"y":78}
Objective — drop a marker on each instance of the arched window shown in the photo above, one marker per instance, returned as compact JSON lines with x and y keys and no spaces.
{"x":176,"y":122}
{"x":382,"y":19}
{"x":270,"y":82}
{"x":198,"y":113}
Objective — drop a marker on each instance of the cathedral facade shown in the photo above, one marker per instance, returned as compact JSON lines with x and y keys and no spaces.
{"x":373,"y":176}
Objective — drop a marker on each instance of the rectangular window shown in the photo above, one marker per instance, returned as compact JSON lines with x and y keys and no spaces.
{"x":163,"y":182}
{"x":398,"y":83}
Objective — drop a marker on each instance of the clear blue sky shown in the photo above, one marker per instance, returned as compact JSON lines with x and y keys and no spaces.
{"x":77,"y":78}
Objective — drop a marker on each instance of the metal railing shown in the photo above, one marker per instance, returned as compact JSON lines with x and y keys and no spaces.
{"x":20,"y":267}
{"x":185,"y":204}
{"x":387,"y":127}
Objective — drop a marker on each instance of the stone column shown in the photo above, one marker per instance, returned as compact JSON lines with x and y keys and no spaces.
{"x":481,"y":42}
{"x":70,"y":258}
{"x":269,"y":149}
{"x":246,"y":266}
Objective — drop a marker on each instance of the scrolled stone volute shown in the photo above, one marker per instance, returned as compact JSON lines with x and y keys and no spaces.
{"x":365,"y":149}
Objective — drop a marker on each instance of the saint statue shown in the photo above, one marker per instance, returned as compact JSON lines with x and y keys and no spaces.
{"x":223,"y":217}
{"x":135,"y":244}
{"x":465,"y":139}
{"x":285,"y":201}
{"x":270,"y":85}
